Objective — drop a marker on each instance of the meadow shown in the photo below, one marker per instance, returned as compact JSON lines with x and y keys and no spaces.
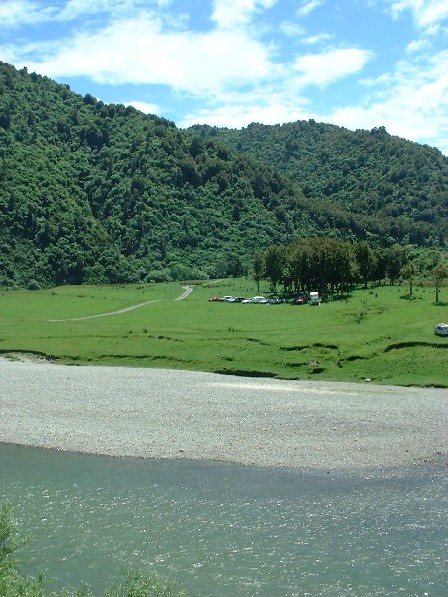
{"x":376,"y":334}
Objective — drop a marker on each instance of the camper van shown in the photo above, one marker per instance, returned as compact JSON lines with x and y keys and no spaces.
{"x":441,"y":329}
{"x":314,"y":298}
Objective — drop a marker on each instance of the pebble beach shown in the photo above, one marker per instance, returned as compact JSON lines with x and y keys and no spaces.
{"x":171,"y":414}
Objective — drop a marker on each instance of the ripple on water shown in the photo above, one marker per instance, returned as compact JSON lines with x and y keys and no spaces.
{"x":226,"y":530}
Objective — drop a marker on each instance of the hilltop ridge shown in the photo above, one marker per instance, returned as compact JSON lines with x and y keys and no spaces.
{"x":98,"y":193}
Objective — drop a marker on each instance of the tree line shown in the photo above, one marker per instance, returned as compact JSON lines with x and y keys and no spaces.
{"x":332,"y":266}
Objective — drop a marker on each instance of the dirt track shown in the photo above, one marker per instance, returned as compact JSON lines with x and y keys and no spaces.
{"x":186,"y":291}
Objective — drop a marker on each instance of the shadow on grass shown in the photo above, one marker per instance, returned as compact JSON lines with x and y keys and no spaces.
{"x":340,"y":297}
{"x":314,"y":345}
{"x":244,"y":373}
{"x":399,"y":345}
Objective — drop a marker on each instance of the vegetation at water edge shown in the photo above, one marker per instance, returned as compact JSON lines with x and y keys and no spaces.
{"x":13,"y":583}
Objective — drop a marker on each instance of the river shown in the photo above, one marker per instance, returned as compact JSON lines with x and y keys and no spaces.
{"x":227,"y":530}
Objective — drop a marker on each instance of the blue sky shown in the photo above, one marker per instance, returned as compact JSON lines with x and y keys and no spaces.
{"x":354,"y":63}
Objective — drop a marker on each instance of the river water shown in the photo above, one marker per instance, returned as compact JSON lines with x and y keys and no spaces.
{"x":223,"y":530}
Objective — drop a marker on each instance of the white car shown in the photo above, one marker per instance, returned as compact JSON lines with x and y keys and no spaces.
{"x":441,"y":329}
{"x":259,"y":299}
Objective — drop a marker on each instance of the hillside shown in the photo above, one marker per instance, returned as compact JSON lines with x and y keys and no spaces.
{"x":403,"y":185}
{"x":101,"y":193}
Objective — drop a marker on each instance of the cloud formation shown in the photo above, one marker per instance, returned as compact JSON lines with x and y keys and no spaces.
{"x":232,"y":62}
{"x":323,"y":69}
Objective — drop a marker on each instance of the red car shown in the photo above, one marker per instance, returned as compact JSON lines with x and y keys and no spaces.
{"x":302,"y":299}
{"x":214,"y":299}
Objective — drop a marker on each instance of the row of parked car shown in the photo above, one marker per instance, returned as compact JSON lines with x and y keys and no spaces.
{"x":301,"y":299}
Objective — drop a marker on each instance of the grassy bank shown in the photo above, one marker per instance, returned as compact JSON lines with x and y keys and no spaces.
{"x":377,"y":334}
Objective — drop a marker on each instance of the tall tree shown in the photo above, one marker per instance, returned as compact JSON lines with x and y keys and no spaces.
{"x":408,"y":273}
{"x":258,"y":268}
{"x":439,"y":273}
{"x":366,"y":261}
{"x":275,"y":260}
{"x":394,"y":262}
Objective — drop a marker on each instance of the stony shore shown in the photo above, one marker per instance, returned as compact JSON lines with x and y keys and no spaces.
{"x":155,"y":413}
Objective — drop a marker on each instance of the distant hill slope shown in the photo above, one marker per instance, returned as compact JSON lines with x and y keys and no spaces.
{"x":403,"y":185}
{"x":91,"y":192}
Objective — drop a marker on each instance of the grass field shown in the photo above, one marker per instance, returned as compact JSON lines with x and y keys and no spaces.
{"x":376,"y":334}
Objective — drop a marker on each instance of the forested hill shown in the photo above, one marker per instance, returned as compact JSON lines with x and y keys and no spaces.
{"x":91,"y":192}
{"x":403,"y":185}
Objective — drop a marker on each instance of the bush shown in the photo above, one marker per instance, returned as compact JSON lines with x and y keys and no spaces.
{"x":33,"y":285}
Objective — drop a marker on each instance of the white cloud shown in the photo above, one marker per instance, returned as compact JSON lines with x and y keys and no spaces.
{"x":137,"y":51}
{"x":232,"y":13}
{"x":325,"y":68}
{"x":427,"y":14}
{"x":410,"y":103}
{"x":145,"y":107}
{"x":308,"y":6}
{"x":417,"y":45}
{"x":15,"y":13}
{"x":291,"y":29}
{"x":316,"y":39}
{"x":74,"y":9}
{"x":241,"y":114}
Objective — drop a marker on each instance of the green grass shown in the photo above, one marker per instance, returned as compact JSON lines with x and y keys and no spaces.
{"x":376,"y":334}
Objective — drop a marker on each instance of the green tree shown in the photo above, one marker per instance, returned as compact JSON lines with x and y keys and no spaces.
{"x":275,"y":260}
{"x":408,"y":273}
{"x":394,"y":262}
{"x":138,"y":584}
{"x":366,"y":261}
{"x":258,"y":268}
{"x":439,"y":273}
{"x":343,"y":266}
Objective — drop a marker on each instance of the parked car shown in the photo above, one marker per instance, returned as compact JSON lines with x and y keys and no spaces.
{"x":226,"y":299}
{"x":259,"y":299}
{"x":441,"y":329}
{"x":302,"y":299}
{"x":214,"y":299}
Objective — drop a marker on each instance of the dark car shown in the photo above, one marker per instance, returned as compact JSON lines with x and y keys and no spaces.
{"x":302,"y":299}
{"x":276,"y":301}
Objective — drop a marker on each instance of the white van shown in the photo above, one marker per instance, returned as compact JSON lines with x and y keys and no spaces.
{"x":441,"y":329}
{"x":314,"y":298}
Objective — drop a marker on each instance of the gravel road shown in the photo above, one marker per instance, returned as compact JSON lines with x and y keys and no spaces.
{"x":158,"y":413}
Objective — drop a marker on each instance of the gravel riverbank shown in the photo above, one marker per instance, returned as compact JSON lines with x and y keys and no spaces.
{"x":158,"y":413}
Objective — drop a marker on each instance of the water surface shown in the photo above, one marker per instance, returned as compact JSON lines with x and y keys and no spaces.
{"x":225,"y":530}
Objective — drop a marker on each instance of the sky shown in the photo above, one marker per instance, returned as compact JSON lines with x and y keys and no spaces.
{"x":359,"y":64}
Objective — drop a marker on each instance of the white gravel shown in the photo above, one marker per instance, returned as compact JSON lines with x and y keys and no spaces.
{"x":159,"y":413}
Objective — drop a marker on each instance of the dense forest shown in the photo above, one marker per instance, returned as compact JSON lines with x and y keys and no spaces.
{"x":403,"y":186}
{"x":98,"y":193}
